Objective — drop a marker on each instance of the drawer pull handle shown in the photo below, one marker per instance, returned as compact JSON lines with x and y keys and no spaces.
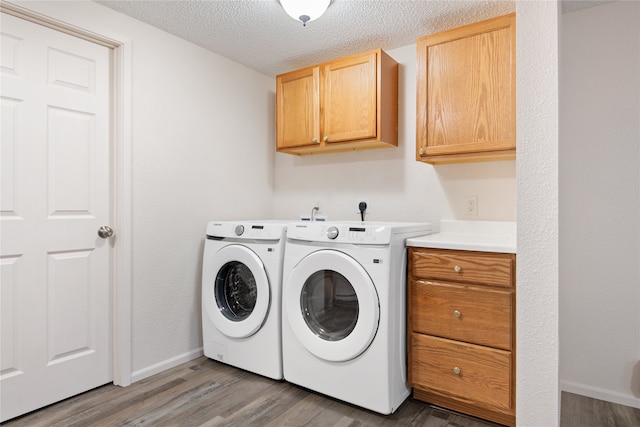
{"x":456,"y":370}
{"x":457,"y":314}
{"x":457,"y":269}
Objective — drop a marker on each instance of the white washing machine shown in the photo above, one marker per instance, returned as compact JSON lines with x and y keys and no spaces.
{"x":242,"y":294}
{"x":344,"y":310}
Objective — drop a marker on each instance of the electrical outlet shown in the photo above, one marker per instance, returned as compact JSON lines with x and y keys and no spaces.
{"x":471,"y":206}
{"x":367,"y":201}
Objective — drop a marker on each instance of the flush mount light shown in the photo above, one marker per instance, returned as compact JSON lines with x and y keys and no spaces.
{"x":305,"y":10}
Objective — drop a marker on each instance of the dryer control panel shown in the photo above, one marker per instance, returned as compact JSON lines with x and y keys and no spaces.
{"x":354,"y":233}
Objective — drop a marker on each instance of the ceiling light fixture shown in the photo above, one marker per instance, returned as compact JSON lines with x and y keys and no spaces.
{"x":305,"y":10}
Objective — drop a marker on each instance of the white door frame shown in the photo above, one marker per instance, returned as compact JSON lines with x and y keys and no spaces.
{"x":121,"y":208}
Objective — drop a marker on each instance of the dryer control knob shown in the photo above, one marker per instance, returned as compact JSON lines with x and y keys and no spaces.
{"x":239,"y":230}
{"x":332,"y":232}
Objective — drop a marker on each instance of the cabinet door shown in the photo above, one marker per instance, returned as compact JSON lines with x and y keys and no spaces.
{"x":466,"y":92}
{"x":349,"y":98}
{"x":298,"y":108}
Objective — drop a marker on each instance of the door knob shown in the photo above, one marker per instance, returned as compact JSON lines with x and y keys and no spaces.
{"x":105,"y":232}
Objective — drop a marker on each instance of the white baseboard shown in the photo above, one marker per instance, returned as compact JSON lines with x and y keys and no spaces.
{"x":166,"y":364}
{"x":601,"y":394}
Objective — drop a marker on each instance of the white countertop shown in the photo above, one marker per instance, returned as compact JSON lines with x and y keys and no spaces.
{"x":485,"y":236}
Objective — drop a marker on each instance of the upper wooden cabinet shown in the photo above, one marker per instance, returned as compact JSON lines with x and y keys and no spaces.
{"x":466,"y":90}
{"x":346,"y":104}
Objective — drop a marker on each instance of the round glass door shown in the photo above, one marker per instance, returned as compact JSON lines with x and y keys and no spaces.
{"x":236,"y":292}
{"x":329,"y":305}
{"x":332,"y":305}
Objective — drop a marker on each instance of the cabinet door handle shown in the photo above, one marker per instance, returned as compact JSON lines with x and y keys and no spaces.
{"x":457,"y":314}
{"x":422,"y":151}
{"x":457,"y":269}
{"x":326,"y":138}
{"x":456,"y":370}
{"x":314,"y":140}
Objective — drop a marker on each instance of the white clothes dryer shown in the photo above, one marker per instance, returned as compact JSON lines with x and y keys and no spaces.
{"x":242,"y":295}
{"x":344,"y":310}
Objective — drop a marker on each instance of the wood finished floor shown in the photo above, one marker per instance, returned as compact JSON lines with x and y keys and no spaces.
{"x":581,"y":411}
{"x":207,"y":393}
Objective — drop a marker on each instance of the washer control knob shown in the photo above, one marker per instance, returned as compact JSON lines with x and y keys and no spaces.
{"x":239,"y":230}
{"x":332,"y":232}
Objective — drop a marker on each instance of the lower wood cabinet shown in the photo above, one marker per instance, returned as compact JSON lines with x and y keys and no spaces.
{"x":461,"y":331}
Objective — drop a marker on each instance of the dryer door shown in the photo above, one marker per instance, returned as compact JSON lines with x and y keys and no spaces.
{"x":235,"y":292}
{"x":332,"y":305}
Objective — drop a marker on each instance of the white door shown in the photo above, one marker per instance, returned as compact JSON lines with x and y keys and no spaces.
{"x":55,"y":194}
{"x":332,"y":305}
{"x":235,"y":290}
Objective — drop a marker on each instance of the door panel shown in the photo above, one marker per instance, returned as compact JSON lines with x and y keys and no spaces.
{"x":56,"y":296}
{"x":70,"y":147}
{"x":298,"y":109}
{"x":349,"y":88}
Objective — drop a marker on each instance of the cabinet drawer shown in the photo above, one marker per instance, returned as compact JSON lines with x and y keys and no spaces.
{"x":471,"y":267}
{"x":483,"y":375}
{"x":480,"y":315}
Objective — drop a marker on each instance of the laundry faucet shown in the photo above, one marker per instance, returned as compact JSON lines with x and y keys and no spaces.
{"x":313,"y":212}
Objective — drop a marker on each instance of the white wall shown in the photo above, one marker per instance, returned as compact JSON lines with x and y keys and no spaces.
{"x":195,"y":159}
{"x":398,"y":187}
{"x":600,"y":203}
{"x":537,"y":389}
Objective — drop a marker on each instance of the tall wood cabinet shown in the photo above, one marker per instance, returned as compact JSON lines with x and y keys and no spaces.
{"x":461,"y":331}
{"x":466,"y":89}
{"x":346,"y":104}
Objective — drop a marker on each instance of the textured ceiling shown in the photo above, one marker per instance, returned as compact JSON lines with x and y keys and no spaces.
{"x":260,"y":35}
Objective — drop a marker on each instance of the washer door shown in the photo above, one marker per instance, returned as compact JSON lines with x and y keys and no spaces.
{"x":332,"y":305}
{"x":236,"y":293}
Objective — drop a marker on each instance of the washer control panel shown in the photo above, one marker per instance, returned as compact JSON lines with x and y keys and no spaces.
{"x":248,"y":230}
